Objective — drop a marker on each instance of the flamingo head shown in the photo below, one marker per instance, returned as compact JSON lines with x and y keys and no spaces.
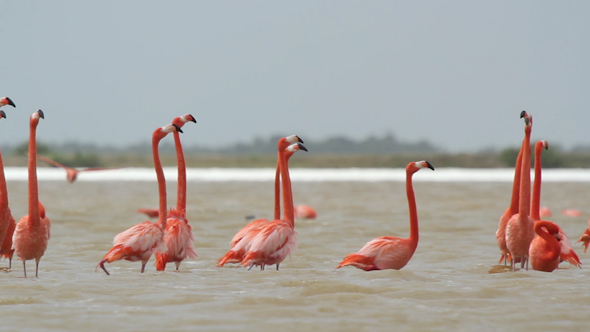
{"x":291,"y":149}
{"x":414,"y":167}
{"x":528,"y":118}
{"x":286,"y":141}
{"x":6,"y":101}
{"x":294,"y":139}
{"x":37,"y":115}
{"x":545,"y":144}
{"x":181,"y":120}
{"x":167,"y":129}
{"x":2,"y":114}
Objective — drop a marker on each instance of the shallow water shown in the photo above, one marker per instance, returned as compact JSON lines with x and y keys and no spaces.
{"x":446,"y":285}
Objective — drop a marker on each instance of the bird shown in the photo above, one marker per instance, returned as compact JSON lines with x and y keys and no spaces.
{"x":245,"y":236}
{"x":6,"y":101}
{"x":571,"y":213}
{"x":585,"y":238}
{"x":277,"y":239}
{"x":178,"y":237}
{"x":305,"y":212}
{"x":140,"y":241}
{"x":545,"y":249}
{"x":72,"y":173}
{"x":390,"y":252}
{"x":519,"y":229}
{"x":545,"y":212}
{"x":567,"y":252}
{"x":7,"y":223}
{"x":32,"y":231}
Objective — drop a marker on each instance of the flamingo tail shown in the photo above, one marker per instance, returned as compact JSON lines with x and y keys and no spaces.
{"x":161,"y":260}
{"x":231,"y":257}
{"x":359,"y":261}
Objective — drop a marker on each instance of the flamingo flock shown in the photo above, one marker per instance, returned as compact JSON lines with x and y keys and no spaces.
{"x":522,"y":236}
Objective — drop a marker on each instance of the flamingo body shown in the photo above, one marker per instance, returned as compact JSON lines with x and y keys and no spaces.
{"x":272,"y":244}
{"x":305,"y":212}
{"x":179,"y":241}
{"x":571,"y":213}
{"x":386,"y":252}
{"x":545,"y":250}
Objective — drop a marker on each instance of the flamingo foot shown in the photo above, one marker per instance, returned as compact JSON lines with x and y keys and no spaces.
{"x":277,"y":266}
{"x":25,"y":268}
{"x":142,"y":267}
{"x":101,"y":264}
{"x":37,"y":268}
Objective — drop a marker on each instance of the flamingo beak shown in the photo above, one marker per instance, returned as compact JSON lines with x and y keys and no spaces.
{"x":2,"y":114}
{"x":41,"y":115}
{"x":522,"y":114}
{"x":429,"y":165}
{"x":177,"y":128}
{"x":302,"y":147}
{"x":300,"y":140}
{"x":10,"y":102}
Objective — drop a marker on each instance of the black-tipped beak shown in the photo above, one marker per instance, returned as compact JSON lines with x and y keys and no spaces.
{"x":41,"y":114}
{"x":10,"y":102}
{"x":522,"y":114}
{"x":300,"y":140}
{"x":193,"y":119}
{"x":429,"y":165}
{"x":177,"y":128}
{"x":527,"y":121}
{"x":546,"y":146}
{"x":2,"y":114}
{"x":302,"y":147}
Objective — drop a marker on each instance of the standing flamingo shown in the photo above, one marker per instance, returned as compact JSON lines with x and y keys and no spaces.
{"x":7,"y":223}
{"x":277,"y":239}
{"x":140,"y":241}
{"x":567,"y":252}
{"x":545,"y":249}
{"x":6,"y":101}
{"x":31,"y":235}
{"x":241,"y":242}
{"x":178,"y":237}
{"x":389,"y":252}
{"x":71,"y":173}
{"x":305,"y":212}
{"x":519,"y":230}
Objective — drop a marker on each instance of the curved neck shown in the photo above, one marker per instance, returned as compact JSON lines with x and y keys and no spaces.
{"x":412,"y":207}
{"x":542,"y":228}
{"x":33,"y":191}
{"x":3,"y":190}
{"x":536,"y":202}
{"x":161,"y":180}
{"x":524,"y":205}
{"x":514,"y":200}
{"x":277,"y":215}
{"x":181,"y":195}
{"x":289,"y":214}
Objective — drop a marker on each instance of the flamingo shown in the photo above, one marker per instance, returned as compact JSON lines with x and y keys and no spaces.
{"x":140,"y":241}
{"x":545,"y":212}
{"x":179,"y":233}
{"x":519,"y":230}
{"x":71,"y":173}
{"x":7,"y":223}
{"x":571,"y":213}
{"x":390,"y":252}
{"x":245,"y":236}
{"x":6,"y":101}
{"x":31,"y":234}
{"x":305,"y":212}
{"x":277,"y":239}
{"x":545,"y":249}
{"x":585,"y":238}
{"x":567,"y":252}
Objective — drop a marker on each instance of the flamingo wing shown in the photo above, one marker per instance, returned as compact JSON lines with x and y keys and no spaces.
{"x":252,"y":228}
{"x":384,"y":252}
{"x":272,"y":244}
{"x":141,"y":238}
{"x":567,"y":251}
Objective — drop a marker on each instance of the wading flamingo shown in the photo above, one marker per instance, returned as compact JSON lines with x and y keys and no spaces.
{"x":179,"y":239}
{"x":390,"y":252}
{"x":305,"y":212}
{"x":545,"y":249}
{"x":6,"y":101}
{"x":585,"y":238}
{"x":140,"y":241}
{"x":277,"y":239}
{"x":241,"y":242}
{"x":31,"y":234}
{"x":7,"y":223}
{"x":519,"y":230}
{"x":567,"y":252}
{"x":512,"y":209}
{"x":72,"y":173}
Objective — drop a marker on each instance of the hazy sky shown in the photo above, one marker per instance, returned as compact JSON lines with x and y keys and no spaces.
{"x":456,"y":73}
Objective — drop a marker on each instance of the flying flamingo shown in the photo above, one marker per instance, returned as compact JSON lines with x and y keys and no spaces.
{"x":305,"y":212}
{"x":6,"y":101}
{"x":7,"y":223}
{"x":545,"y":249}
{"x":519,"y":230}
{"x":585,"y":238}
{"x":179,"y":234}
{"x":245,"y":236}
{"x":567,"y":252}
{"x":277,"y":239}
{"x":390,"y":252}
{"x":31,"y":235}
{"x":140,"y":241}
{"x":71,"y":173}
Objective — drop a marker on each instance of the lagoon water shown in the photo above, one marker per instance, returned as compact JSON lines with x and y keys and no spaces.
{"x":446,"y":286}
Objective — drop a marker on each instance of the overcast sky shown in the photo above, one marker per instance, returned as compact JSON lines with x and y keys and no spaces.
{"x":455,"y":73}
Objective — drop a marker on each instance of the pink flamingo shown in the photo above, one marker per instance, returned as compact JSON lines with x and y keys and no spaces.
{"x":567,"y":252}
{"x":585,"y":238}
{"x":31,"y":235}
{"x":140,"y":241}
{"x":277,"y":239}
{"x":571,"y":213}
{"x":390,"y":252}
{"x":242,"y":241}
{"x":305,"y":212}
{"x":6,"y":101}
{"x":545,"y":212}
{"x":7,"y":223}
{"x":519,"y":230}
{"x":71,"y":173}
{"x":545,"y":249}
{"x":178,"y":237}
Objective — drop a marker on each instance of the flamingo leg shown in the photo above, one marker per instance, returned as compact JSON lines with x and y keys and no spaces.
{"x":25,"y":268}
{"x":10,"y":263}
{"x":142,"y":267}
{"x":37,"y":267}
{"x":251,"y":265}
{"x":277,"y":266}
{"x":177,"y":265}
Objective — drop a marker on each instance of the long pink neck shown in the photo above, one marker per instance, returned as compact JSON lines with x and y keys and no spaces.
{"x":161,"y":180}
{"x":277,"y":215}
{"x":536,"y":203}
{"x":287,"y":194}
{"x":181,"y":195}
{"x":551,"y":240}
{"x":412,"y":207}
{"x":3,"y":190}
{"x":514,"y":200}
{"x":524,"y":205}
{"x":33,"y":191}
